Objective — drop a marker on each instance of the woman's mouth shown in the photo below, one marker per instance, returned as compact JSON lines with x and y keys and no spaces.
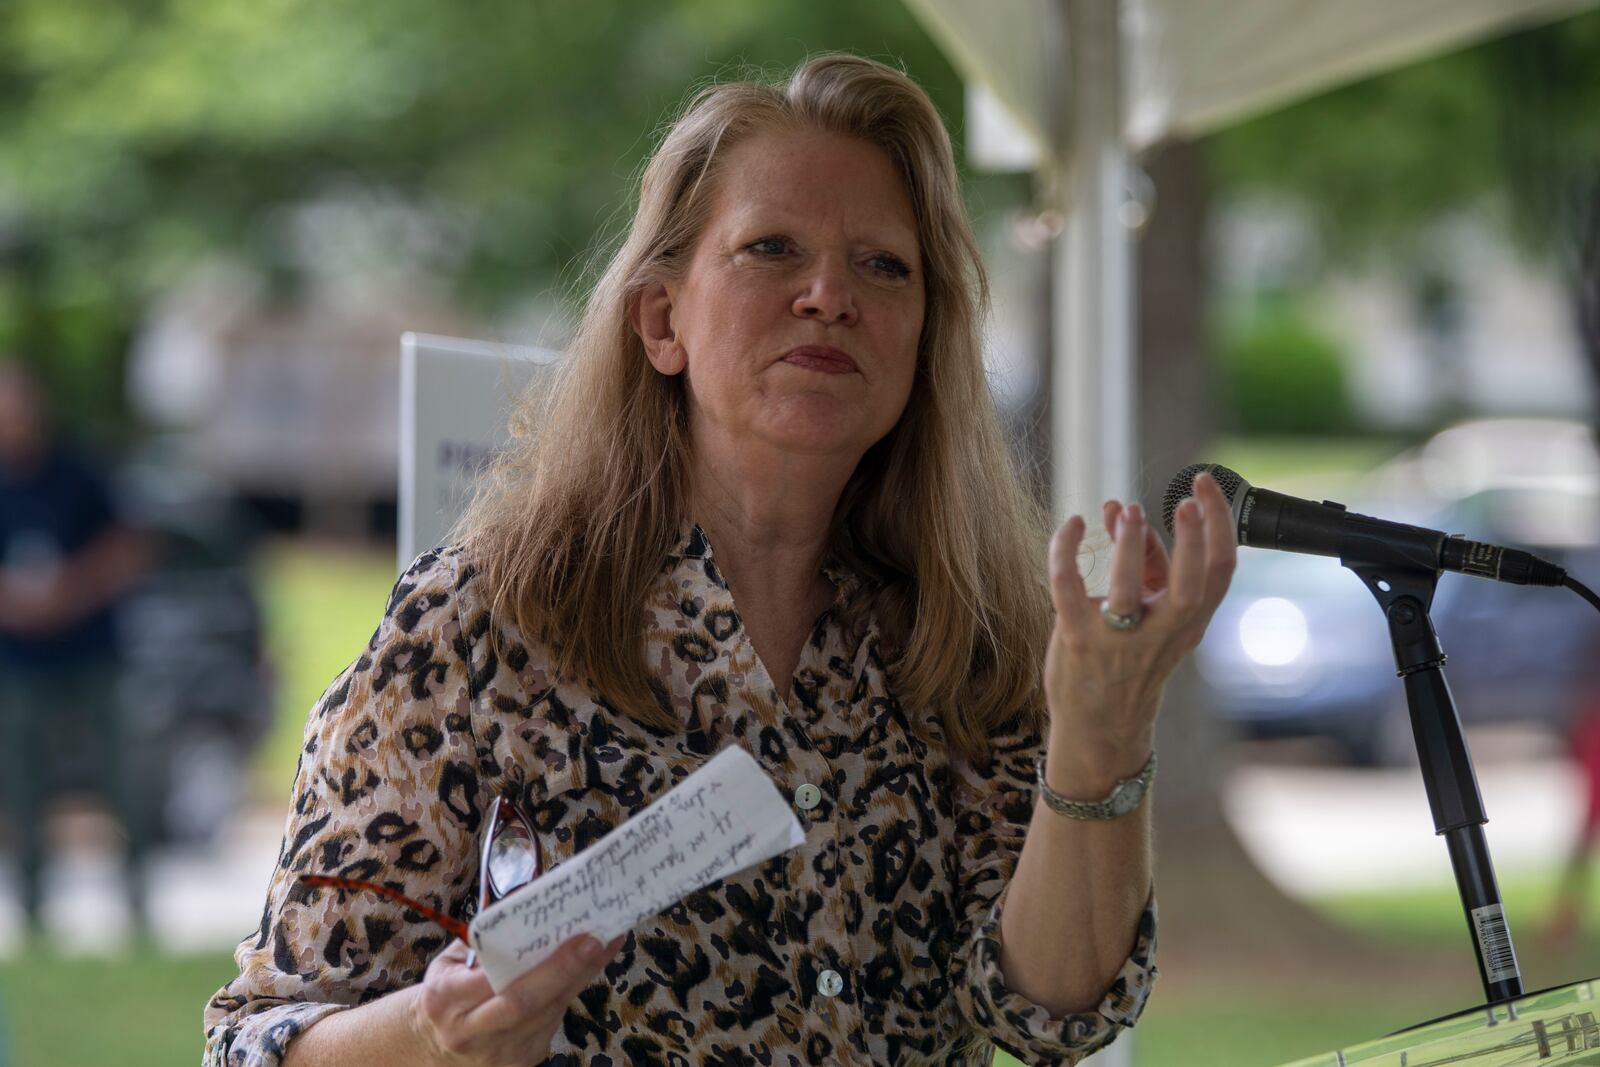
{"x":821,"y":358}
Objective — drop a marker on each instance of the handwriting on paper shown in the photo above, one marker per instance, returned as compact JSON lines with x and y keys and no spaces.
{"x":724,"y":817}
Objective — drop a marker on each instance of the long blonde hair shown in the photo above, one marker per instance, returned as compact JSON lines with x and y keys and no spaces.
{"x":573,"y":523}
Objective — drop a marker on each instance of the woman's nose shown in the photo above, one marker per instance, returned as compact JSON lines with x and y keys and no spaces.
{"x":828,"y":295}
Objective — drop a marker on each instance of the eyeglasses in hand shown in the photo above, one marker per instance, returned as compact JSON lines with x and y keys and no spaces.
{"x":510,"y":859}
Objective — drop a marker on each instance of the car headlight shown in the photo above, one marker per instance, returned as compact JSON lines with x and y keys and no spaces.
{"x":1272,"y":632}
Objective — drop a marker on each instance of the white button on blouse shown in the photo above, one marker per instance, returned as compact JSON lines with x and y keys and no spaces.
{"x":807,"y":796}
{"x":829,"y":983}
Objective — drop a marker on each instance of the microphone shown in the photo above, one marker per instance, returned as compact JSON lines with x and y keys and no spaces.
{"x":1264,"y":519}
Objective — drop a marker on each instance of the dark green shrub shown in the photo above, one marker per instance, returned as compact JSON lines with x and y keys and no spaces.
{"x":1282,"y":375}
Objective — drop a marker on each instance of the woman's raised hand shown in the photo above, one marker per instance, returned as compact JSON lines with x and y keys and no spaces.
{"x":1104,"y":684}
{"x":464,"y":1022}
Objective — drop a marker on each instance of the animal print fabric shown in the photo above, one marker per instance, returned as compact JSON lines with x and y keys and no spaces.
{"x":897,"y":889}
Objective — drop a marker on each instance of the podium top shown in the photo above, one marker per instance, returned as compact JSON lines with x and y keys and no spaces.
{"x":1559,"y":1026}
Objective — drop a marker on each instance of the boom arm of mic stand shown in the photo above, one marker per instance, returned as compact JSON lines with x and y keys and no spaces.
{"x":1405,"y":594}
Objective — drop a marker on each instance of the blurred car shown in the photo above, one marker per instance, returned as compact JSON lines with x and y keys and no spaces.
{"x":195,"y":679}
{"x":1300,"y":648}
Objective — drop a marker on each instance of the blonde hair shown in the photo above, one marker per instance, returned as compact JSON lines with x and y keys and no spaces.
{"x":574,"y":522}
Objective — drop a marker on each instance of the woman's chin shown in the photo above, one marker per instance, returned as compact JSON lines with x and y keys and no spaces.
{"x":817,"y":429}
{"x":818,"y":423}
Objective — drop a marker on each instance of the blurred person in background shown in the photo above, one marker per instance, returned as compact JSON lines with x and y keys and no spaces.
{"x":777,"y":398}
{"x":65,"y":559}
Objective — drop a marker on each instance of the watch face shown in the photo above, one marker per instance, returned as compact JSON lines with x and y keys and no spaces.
{"x":1126,"y":796}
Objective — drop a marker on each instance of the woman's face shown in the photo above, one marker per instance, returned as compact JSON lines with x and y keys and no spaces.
{"x":811,"y":241}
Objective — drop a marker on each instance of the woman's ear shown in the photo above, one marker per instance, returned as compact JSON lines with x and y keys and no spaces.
{"x":652,"y":321}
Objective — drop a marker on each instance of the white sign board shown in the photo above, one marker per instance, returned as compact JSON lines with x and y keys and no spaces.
{"x":455,"y":398}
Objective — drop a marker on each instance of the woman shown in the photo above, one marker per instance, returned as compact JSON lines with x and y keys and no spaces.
{"x":782,"y":361}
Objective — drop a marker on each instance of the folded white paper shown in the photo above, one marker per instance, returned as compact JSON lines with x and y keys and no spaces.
{"x":721,"y":819}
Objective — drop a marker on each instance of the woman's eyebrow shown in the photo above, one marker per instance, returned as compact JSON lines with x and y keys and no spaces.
{"x":887,"y":228}
{"x":905,"y":239}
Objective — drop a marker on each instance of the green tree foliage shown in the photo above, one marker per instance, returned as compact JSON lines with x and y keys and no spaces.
{"x":1508,"y":130}
{"x":136,"y":138}
{"x":1550,"y":137}
{"x":1379,"y":160}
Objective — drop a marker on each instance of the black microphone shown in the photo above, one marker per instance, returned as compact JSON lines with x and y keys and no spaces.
{"x":1265,"y":519}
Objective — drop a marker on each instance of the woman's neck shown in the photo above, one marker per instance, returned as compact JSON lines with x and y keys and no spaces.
{"x":768,"y":527}
{"x":768,"y":545}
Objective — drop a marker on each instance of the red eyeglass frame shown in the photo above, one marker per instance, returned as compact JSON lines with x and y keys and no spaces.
{"x":503,"y":815}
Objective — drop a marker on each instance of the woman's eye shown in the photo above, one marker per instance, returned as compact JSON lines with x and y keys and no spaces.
{"x":770,"y":246}
{"x":891,"y":265}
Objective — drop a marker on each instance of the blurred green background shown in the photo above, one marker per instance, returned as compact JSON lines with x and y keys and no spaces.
{"x":168,"y":167}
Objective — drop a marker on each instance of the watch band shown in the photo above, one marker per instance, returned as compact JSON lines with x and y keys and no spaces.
{"x":1124,"y":797}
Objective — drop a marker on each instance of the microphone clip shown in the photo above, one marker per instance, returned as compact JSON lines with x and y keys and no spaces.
{"x":1405,"y":594}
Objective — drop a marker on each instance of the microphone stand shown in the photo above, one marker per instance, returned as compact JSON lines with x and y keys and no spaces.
{"x":1403,"y":580}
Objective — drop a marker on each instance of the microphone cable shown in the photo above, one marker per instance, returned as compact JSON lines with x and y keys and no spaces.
{"x":1582,"y":590}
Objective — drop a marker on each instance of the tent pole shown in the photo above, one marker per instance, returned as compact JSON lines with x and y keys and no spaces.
{"x":1094,"y":399}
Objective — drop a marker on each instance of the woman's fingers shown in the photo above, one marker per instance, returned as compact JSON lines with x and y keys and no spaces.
{"x":1179,"y":592}
{"x":469,"y":1022}
{"x":545,"y":990}
{"x":1187,"y":589}
{"x":450,"y":988}
{"x":1205,"y":548}
{"x":1155,"y":553}
{"x":1222,"y":539}
{"x":1110,"y":511}
{"x":1157,"y":566}
{"x":1127,"y":562}
{"x":1066,"y":583}
{"x":464,"y":986}
{"x":1139,"y":563}
{"x":1141,"y":566}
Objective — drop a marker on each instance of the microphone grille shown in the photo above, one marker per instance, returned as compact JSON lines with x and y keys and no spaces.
{"x":1182,"y":487}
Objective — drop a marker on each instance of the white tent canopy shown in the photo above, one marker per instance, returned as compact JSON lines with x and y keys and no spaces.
{"x":1193,"y":66}
{"x":1081,"y":83}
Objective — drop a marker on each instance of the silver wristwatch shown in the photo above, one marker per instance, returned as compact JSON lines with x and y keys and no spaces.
{"x":1125,"y":796}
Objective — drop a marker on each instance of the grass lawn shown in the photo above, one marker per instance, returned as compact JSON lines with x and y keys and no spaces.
{"x":137,"y":1010}
{"x":1242,"y":1029}
{"x":321,"y":607}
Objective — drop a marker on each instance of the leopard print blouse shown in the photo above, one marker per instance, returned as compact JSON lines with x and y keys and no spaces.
{"x":875,"y":942}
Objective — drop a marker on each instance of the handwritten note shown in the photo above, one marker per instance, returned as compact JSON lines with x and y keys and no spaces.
{"x":721,"y":819}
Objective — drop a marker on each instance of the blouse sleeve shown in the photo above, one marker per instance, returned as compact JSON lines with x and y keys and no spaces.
{"x":386,"y":791}
{"x":993,"y":811}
